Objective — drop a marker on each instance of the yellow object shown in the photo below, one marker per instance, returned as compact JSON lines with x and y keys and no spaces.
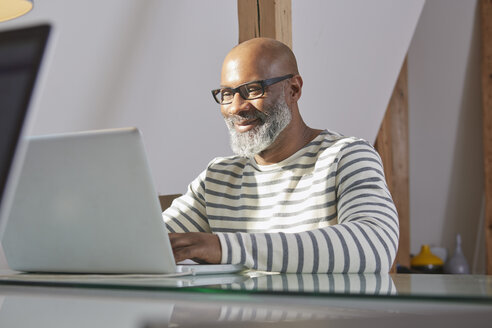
{"x":10,"y":9}
{"x":425,"y":258}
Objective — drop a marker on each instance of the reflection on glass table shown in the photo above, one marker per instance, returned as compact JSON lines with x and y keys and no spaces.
{"x":457,"y":287}
{"x":250,"y":281}
{"x":370,"y":284}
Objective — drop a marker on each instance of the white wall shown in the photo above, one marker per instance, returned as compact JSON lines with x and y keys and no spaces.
{"x":446,"y":165}
{"x":350,"y":53}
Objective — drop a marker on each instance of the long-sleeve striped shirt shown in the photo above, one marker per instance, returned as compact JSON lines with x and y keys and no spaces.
{"x":326,"y":208}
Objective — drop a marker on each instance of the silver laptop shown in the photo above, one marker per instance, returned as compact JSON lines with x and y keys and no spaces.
{"x":86,"y":203}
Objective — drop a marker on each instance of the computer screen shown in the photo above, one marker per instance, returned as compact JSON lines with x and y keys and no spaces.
{"x":21,"y":53}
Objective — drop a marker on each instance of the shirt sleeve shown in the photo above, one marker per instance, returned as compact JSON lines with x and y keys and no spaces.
{"x":188,"y":212}
{"x":364,"y":240}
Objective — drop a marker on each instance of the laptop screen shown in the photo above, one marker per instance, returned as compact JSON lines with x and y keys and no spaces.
{"x":21,"y":52}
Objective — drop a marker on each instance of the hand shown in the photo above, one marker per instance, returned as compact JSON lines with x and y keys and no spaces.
{"x":197,"y":246}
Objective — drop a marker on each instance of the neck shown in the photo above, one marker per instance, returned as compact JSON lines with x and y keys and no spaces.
{"x":295,"y":136}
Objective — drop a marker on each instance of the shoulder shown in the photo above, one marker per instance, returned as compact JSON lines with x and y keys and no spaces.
{"x":356,"y":158}
{"x":342,"y":145}
{"x":228,"y":161}
{"x":231,"y":165}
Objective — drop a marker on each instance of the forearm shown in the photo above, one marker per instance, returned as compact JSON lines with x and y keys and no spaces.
{"x":363,"y":246}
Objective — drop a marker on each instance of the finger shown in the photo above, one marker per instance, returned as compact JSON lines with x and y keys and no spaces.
{"x":180,"y":239}
{"x":194,"y":252}
{"x":195,"y":245}
{"x":184,"y":253}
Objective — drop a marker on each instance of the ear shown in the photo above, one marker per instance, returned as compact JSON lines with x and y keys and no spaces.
{"x":294,"y":88}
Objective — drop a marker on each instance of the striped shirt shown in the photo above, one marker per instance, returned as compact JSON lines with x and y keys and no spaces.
{"x":326,"y":208}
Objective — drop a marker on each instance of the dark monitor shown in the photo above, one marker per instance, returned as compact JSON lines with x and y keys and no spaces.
{"x":21,"y":53}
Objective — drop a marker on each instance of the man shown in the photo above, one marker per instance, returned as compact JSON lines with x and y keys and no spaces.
{"x":293,"y":199}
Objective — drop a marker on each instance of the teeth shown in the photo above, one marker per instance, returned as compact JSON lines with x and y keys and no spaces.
{"x":245,"y":122}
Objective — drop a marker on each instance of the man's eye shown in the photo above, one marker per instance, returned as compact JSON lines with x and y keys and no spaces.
{"x":227,"y":94}
{"x":254,"y":90}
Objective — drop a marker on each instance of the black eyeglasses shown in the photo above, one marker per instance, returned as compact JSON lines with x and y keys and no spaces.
{"x":248,"y":90}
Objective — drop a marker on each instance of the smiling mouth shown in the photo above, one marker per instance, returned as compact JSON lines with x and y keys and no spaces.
{"x":246,"y":125}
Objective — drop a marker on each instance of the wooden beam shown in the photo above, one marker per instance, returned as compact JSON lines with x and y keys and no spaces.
{"x":265,"y":18}
{"x":486,"y":49}
{"x":392,"y":145}
{"x":249,"y":25}
{"x":276,"y":20}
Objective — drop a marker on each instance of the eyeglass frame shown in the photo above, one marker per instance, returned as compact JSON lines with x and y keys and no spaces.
{"x":263,"y":83}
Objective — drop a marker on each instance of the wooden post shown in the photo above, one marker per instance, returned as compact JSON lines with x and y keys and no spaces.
{"x":486,"y":32}
{"x":392,"y":145}
{"x":265,"y":18}
{"x":249,"y":26}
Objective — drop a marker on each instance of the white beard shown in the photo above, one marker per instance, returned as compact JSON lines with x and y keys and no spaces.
{"x":274,"y":120}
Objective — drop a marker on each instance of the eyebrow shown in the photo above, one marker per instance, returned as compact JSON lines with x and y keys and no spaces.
{"x":226,"y":87}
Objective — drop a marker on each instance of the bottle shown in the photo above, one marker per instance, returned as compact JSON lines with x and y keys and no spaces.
{"x":457,"y":263}
{"x":426,"y":262}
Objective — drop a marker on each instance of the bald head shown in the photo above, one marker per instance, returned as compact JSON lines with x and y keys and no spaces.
{"x":258,"y":58}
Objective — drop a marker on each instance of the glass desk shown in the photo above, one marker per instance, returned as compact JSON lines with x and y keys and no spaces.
{"x":250,"y":299}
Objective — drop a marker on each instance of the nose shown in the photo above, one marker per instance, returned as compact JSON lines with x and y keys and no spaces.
{"x":238,"y":105}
